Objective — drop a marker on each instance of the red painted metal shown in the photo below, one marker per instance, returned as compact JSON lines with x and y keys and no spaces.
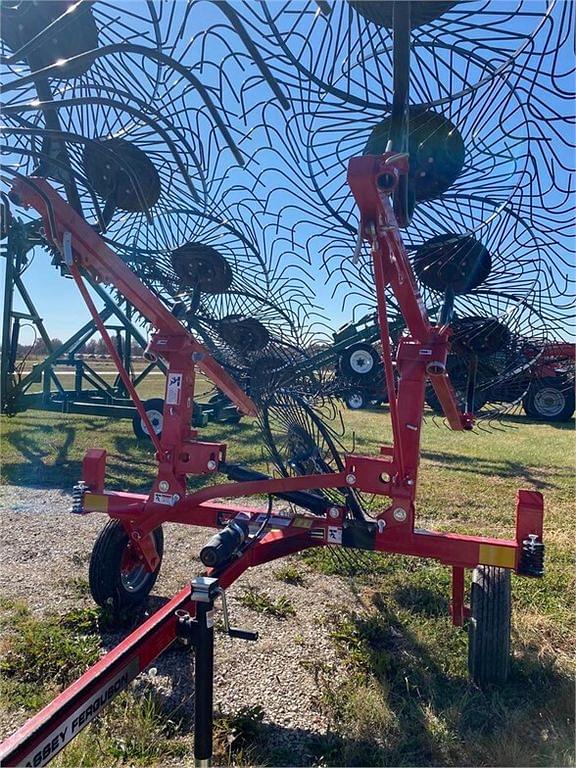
{"x":92,"y":253}
{"x":529,"y":517}
{"x":392,"y":474}
{"x":559,"y":350}
{"x":113,"y":352}
{"x":457,"y":608}
{"x":94,"y":469}
{"x":134,"y":654}
{"x":53,"y":727}
{"x":372,"y":179}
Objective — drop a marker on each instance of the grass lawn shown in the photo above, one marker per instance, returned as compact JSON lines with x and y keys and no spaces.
{"x":406,"y":700}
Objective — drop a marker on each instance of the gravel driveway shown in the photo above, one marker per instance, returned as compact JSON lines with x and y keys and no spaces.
{"x":45,"y":550}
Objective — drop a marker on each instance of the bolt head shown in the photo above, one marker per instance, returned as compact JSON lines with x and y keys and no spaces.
{"x":212,"y":465}
{"x":399,"y":514}
{"x":163,"y":486}
{"x":334,"y":512}
{"x":136,"y":535}
{"x":350,"y":479}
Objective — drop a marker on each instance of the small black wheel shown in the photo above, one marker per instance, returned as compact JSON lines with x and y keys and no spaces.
{"x":155,"y":410}
{"x":551,"y":399}
{"x":356,"y":400}
{"x":116,"y":574}
{"x":359,"y":360}
{"x":489,"y":625}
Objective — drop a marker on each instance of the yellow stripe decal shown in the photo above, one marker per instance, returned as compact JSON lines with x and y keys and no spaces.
{"x":302,"y":522}
{"x":94,"y":502}
{"x":492,"y":554}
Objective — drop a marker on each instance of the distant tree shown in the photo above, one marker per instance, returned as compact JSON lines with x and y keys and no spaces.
{"x":101,"y":348}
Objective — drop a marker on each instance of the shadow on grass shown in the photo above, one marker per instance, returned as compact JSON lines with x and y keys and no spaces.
{"x":521,"y":419}
{"x":34,"y":447}
{"x":432,"y":715}
{"x":50,"y":457}
{"x":38,"y":454}
{"x":422,"y":601}
{"x":502,"y":468}
{"x":441,"y":718}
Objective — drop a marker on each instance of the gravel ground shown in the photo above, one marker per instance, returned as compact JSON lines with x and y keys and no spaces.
{"x":44,"y":549}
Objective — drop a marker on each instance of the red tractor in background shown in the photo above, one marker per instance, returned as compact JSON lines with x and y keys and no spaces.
{"x":544,"y":387}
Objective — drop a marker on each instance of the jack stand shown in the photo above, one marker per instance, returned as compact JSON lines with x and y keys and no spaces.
{"x":199,"y":632}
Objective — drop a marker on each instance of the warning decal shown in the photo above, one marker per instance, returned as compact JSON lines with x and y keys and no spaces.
{"x":173,"y":388}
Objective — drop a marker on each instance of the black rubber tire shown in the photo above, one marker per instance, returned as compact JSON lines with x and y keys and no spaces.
{"x":355,"y":400}
{"x":153,"y":406}
{"x":558,"y":407}
{"x":348,"y":367}
{"x":490,"y":625}
{"x":105,"y":577}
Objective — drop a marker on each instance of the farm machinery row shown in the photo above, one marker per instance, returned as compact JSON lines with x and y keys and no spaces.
{"x":349,"y":367}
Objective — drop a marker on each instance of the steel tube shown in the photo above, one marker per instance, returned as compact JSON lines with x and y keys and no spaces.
{"x":204,"y":684}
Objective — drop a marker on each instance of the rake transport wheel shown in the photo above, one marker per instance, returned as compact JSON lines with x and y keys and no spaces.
{"x":359,"y":360}
{"x":550,"y":399}
{"x":117,"y":575}
{"x":489,"y":625}
{"x":155,"y":411}
{"x":356,"y":400}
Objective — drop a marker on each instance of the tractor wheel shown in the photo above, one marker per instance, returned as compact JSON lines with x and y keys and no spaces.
{"x":155,"y":411}
{"x":359,"y":360}
{"x":550,"y":399}
{"x":356,"y":400}
{"x":116,"y":573}
{"x":489,"y":625}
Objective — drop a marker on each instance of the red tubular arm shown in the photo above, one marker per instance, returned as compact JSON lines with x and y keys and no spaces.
{"x":372,"y":179}
{"x":92,"y":253}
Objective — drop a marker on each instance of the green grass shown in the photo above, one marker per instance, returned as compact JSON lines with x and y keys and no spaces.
{"x":42,"y":656}
{"x":260,"y":602}
{"x":406,"y":699}
{"x":290,"y":573}
{"x":42,"y":449}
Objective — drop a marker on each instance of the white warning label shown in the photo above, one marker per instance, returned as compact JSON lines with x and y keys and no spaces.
{"x":164,"y":498}
{"x":334,"y":535}
{"x":173,"y":388}
{"x":66,"y":731}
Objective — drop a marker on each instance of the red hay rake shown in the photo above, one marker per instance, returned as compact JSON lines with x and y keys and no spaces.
{"x":130,"y":547}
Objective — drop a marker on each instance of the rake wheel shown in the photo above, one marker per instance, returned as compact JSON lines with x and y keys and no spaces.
{"x":300,"y":443}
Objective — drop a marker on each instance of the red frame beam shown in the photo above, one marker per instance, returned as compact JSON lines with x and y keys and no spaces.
{"x":92,"y":253}
{"x":394,"y":474}
{"x":42,"y":737}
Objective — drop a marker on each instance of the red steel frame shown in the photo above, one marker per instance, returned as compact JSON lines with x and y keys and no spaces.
{"x":421,"y":355}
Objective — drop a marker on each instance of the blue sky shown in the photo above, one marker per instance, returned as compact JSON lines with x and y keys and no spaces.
{"x":57,"y":299}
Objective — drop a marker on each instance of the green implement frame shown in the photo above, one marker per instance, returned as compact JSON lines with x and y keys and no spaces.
{"x":90,"y":393}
